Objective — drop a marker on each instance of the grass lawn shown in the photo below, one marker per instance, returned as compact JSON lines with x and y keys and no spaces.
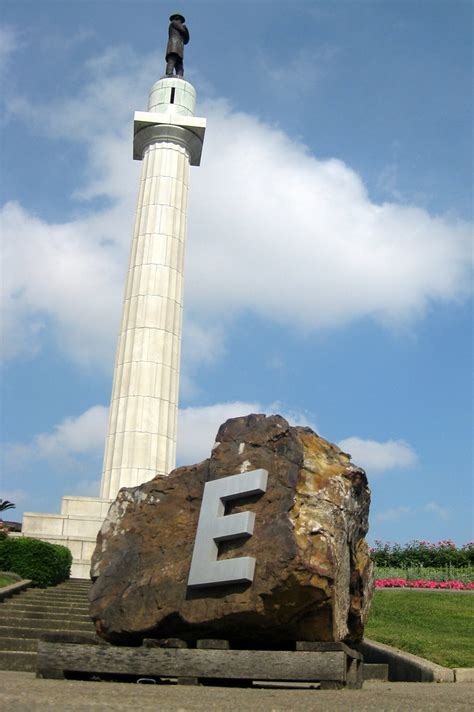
{"x":6,"y":580}
{"x":437,"y":625}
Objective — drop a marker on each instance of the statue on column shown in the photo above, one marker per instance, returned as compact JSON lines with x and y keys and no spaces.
{"x":178,"y":36}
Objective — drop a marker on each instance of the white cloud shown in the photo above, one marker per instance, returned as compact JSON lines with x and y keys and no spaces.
{"x":440,"y":512}
{"x":78,"y":439}
{"x":75,"y":439}
{"x":206,"y":342}
{"x":388,"y":180}
{"x":66,"y":42}
{"x":85,"y":488}
{"x":197,"y":426}
{"x":303,"y":244}
{"x":397,"y":513}
{"x":273,"y":231}
{"x":77,"y":435}
{"x":16,"y":496}
{"x":69,"y":441}
{"x":393,"y":515}
{"x":64,"y":278}
{"x":289,"y":72}
{"x":379,"y":456}
{"x":8,"y":44}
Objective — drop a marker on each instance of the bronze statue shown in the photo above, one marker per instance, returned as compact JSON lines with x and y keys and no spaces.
{"x":178,"y":36}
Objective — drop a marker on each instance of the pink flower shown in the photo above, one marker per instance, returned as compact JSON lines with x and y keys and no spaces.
{"x":403,"y":583}
{"x":390,"y":583}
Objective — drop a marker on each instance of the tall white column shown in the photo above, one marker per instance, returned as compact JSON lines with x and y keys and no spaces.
{"x":141,"y":439}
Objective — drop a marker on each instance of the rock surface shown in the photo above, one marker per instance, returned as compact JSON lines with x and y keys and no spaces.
{"x":313,"y":575}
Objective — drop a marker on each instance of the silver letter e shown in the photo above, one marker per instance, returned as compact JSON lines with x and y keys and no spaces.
{"x":214,"y":526}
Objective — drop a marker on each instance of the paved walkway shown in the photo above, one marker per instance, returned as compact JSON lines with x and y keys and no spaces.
{"x":22,"y":692}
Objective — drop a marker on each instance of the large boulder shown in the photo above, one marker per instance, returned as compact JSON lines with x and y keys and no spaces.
{"x":313,"y":573}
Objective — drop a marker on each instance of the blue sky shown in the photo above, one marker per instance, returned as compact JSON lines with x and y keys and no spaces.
{"x":328,"y":262}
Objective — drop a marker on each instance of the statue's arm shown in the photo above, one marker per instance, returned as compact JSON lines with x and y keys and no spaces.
{"x":185,"y":35}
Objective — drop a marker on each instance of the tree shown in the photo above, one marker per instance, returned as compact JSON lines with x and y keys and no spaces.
{"x":5,"y":504}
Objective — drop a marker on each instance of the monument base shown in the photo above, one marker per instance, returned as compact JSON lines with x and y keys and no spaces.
{"x":332,"y":666}
{"x":76,"y":527}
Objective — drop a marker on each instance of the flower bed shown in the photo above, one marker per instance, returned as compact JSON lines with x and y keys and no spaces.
{"x":421,"y":564}
{"x":403,"y":583}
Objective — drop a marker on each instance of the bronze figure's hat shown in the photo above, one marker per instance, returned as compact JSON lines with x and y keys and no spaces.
{"x":177,"y":16}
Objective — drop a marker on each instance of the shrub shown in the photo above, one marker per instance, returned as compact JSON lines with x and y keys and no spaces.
{"x":45,"y":564}
{"x":423,"y":554}
{"x":426,"y":573}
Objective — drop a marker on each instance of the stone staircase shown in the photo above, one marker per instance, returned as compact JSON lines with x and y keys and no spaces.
{"x":63,"y":609}
{"x":39,"y":611}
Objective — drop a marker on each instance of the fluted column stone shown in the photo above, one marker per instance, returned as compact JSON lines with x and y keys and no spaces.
{"x":141,"y":439}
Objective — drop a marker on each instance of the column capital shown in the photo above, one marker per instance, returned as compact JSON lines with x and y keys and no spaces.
{"x":151,"y":127}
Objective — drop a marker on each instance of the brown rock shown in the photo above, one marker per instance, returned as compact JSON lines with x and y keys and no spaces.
{"x":313,"y":575}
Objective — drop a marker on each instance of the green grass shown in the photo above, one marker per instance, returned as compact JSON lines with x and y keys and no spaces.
{"x":414,"y":573}
{"x":6,"y":580}
{"x":437,"y":625}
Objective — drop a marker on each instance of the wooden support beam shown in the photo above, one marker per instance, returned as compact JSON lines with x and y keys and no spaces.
{"x":191,"y":665}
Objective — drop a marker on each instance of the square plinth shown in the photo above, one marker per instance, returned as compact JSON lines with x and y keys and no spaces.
{"x":194,"y":124}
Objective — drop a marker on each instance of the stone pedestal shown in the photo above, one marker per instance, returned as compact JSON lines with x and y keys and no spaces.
{"x":75,"y":527}
{"x":141,"y":438}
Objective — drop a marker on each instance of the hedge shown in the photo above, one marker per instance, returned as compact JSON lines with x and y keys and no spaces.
{"x":418,"y":553}
{"x":45,"y":564}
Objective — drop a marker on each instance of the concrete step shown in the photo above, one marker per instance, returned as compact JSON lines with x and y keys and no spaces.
{"x":52,"y":601}
{"x":51,"y":598}
{"x":70,"y":586}
{"x":28,"y":631}
{"x":43,"y":615}
{"x":36,"y":612}
{"x":76,"y":582}
{"x":46,"y":624}
{"x":63,"y":587}
{"x":21,"y":644}
{"x":71,"y":592}
{"x":18,"y":661}
{"x":44,"y":608}
{"x":58,"y":614}
{"x":53,"y":622}
{"x":55,"y":592}
{"x":52,"y":593}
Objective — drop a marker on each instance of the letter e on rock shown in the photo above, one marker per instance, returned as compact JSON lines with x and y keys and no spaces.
{"x":214,"y":526}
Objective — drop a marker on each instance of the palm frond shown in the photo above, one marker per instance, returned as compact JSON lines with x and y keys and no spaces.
{"x":5,"y":504}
